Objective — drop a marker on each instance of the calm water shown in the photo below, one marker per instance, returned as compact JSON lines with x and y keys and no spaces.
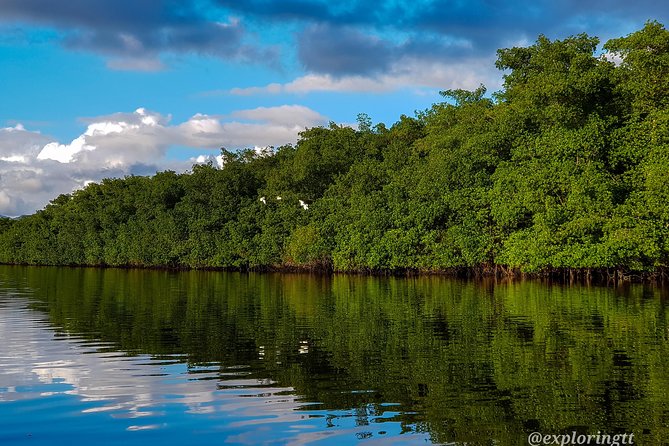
{"x":150,"y":357}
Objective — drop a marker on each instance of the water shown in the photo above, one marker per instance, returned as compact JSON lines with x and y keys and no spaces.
{"x":93,"y":356}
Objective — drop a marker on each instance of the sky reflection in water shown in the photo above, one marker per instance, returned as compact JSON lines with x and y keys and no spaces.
{"x":59,"y":388}
{"x":136,"y":357}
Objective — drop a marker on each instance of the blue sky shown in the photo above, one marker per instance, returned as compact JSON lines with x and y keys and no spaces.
{"x":98,"y":88}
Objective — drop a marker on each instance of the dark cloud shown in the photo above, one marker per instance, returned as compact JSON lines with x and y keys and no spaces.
{"x":495,"y":22}
{"x":473,"y":16}
{"x":342,"y":12}
{"x":207,"y":38}
{"x":342,"y":51}
{"x":335,"y":37}
{"x":333,"y":40}
{"x":101,"y":13}
{"x":136,"y":30}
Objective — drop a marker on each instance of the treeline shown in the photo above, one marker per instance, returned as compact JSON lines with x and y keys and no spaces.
{"x":566,"y":168}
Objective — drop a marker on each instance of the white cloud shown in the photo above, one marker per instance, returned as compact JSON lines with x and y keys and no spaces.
{"x":320,"y":82}
{"x":5,"y":200}
{"x":14,"y":159}
{"x":116,"y":140}
{"x":63,"y":153}
{"x":287,"y":115}
{"x":407,"y":73}
{"x":34,"y":168}
{"x":262,"y":126}
{"x":17,"y":142}
{"x":18,"y":147}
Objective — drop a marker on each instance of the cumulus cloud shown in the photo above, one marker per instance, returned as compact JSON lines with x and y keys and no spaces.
{"x":17,"y":142}
{"x":29,"y":178}
{"x":115,"y":141}
{"x":262,"y":126}
{"x":35,"y":169}
{"x":17,"y":147}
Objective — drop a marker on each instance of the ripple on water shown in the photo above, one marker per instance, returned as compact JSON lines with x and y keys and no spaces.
{"x":53,"y":384}
{"x":136,"y":357}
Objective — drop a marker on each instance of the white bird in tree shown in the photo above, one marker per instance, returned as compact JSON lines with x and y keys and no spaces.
{"x":263,"y":200}
{"x":278,"y":198}
{"x":304,"y":205}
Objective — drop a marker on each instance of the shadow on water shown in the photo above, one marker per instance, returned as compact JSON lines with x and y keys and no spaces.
{"x":459,"y":361}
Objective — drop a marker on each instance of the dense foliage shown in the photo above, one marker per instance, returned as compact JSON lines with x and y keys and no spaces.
{"x":566,"y":168}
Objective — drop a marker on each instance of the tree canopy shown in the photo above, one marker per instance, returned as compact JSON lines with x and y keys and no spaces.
{"x":567,"y":167}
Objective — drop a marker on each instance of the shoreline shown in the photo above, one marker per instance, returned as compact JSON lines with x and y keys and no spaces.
{"x":560,"y":275}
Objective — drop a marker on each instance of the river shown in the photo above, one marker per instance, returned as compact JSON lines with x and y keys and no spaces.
{"x":112,"y":356}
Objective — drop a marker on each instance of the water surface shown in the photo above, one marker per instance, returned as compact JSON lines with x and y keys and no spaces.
{"x":129,"y":357}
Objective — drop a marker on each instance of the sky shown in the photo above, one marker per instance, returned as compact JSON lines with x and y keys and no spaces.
{"x":91,"y":89}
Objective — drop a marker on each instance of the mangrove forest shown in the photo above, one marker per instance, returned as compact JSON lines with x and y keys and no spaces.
{"x":565,"y":168}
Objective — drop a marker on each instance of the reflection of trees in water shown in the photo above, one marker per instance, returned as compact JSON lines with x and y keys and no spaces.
{"x":465,"y":361}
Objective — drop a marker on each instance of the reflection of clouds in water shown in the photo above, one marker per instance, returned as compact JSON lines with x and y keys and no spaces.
{"x":50,"y":372}
{"x":158,"y":394}
{"x":35,"y":361}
